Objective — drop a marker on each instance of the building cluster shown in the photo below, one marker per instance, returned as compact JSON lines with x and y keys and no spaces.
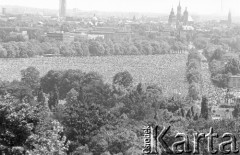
{"x":176,"y":20}
{"x":228,"y":21}
{"x":109,"y":28}
{"x":106,"y":33}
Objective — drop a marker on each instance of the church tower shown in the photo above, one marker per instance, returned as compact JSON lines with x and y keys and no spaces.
{"x":185,"y":16}
{"x":179,"y":12}
{"x":229,"y":18}
{"x":172,"y":17}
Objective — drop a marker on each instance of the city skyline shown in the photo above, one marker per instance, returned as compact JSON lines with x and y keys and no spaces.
{"x":145,"y":6}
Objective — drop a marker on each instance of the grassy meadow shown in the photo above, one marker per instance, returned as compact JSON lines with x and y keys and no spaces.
{"x":167,"y":71}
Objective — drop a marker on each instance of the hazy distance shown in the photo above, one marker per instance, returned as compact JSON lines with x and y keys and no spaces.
{"x":149,"y":6}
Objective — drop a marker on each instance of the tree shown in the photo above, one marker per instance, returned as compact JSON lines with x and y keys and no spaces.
{"x":156,"y":48}
{"x":26,"y":128}
{"x":31,"y":77}
{"x":217,"y":55}
{"x":94,"y":90}
{"x":23,"y":50}
{"x":193,"y":75}
{"x":165,"y":47}
{"x":82,"y":121}
{"x":96,"y":48}
{"x":118,"y":49}
{"x":194,"y":91}
{"x":11,"y":49}
{"x":54,"y":98}
{"x":139,"y":88}
{"x":20,"y":91}
{"x":85,"y":48}
{"x":56,"y":95}
{"x":133,"y":50}
{"x":53,"y":50}
{"x":200,"y":42}
{"x":3,"y":52}
{"x":40,"y":96}
{"x":67,"y":50}
{"x":192,"y":111}
{"x":232,"y":66}
{"x":124,"y":79}
{"x":188,"y":115}
{"x":49,"y":141}
{"x":204,"y":108}
{"x":69,"y":79}
{"x":147,"y":48}
{"x":235,"y":112}
{"x":77,"y":47}
{"x":14,"y":121}
{"x":182,"y":112}
{"x":195,"y":117}
{"x":51,"y":79}
{"x":72,"y":96}
{"x":220,"y":80}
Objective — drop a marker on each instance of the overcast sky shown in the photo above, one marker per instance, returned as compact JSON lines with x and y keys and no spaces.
{"x":155,"y":6}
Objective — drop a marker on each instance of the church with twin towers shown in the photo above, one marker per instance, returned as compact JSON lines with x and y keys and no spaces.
{"x":179,"y":18}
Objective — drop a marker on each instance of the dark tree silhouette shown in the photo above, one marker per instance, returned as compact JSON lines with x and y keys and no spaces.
{"x":124,"y":79}
{"x":54,"y":98}
{"x":40,"y":96}
{"x":204,"y":108}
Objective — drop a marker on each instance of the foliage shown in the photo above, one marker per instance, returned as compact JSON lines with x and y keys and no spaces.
{"x":82,"y":120}
{"x":124,"y":79}
{"x":27,"y":128}
{"x":21,"y":48}
{"x":204,"y":108}
{"x":31,"y":77}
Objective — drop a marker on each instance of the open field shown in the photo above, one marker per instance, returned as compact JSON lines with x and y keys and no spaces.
{"x":165,"y":70}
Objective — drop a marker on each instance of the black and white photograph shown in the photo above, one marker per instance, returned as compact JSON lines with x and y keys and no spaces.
{"x":119,"y":77}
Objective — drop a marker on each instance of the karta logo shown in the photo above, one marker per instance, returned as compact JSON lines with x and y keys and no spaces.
{"x":153,"y":142}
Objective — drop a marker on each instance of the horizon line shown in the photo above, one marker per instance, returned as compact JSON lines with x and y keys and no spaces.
{"x":137,"y":12}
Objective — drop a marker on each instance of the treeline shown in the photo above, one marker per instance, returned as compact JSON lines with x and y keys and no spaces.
{"x":73,"y":112}
{"x":14,"y":49}
{"x":229,"y":41}
{"x":193,"y":75}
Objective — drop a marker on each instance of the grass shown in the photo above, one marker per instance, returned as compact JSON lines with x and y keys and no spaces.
{"x":167,"y":71}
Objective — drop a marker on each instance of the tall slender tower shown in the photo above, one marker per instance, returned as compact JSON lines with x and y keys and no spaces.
{"x":185,"y":16}
{"x":221,"y":6}
{"x":62,"y":8}
{"x":179,"y":12}
{"x":4,"y":11}
{"x":229,"y":18}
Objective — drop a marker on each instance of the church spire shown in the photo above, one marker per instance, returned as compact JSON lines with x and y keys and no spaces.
{"x":179,"y":12}
{"x":172,"y":17}
{"x":172,"y":11}
{"x":185,"y":16}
